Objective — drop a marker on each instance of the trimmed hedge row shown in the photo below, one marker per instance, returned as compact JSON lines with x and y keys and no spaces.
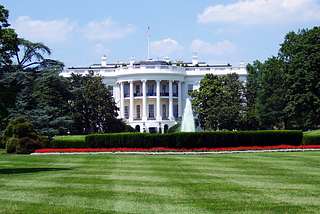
{"x":311,"y":140}
{"x":68,"y":143}
{"x":195,"y":139}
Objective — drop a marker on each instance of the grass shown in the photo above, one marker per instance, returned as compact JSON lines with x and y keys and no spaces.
{"x":231,"y":183}
{"x":315,"y":132}
{"x":81,"y":137}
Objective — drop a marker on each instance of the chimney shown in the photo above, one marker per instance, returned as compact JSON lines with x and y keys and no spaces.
{"x":104,"y":61}
{"x":242,"y":65}
{"x":166,"y":59}
{"x":132,"y":60}
{"x":194,"y":59}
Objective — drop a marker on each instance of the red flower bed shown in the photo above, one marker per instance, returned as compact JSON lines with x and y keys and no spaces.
{"x":162,"y":149}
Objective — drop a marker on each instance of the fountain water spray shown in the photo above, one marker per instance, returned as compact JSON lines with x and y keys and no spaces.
{"x":187,"y":124}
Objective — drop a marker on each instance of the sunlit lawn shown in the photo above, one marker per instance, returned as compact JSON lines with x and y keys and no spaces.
{"x":315,"y":132}
{"x":227,"y":183}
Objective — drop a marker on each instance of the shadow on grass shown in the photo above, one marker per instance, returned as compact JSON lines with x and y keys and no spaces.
{"x":30,"y":170}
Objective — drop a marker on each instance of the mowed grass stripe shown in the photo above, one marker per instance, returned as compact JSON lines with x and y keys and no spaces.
{"x":236,"y":183}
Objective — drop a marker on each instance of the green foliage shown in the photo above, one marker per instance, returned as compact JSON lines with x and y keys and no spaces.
{"x":130,"y":128}
{"x":41,"y":94}
{"x":8,"y":41}
{"x":20,"y":136}
{"x":28,"y":145}
{"x":12,"y":144}
{"x":300,"y":52}
{"x":272,"y":98}
{"x":93,"y":108}
{"x":194,"y":139}
{"x":68,"y":143}
{"x":311,"y":140}
{"x":174,"y":128}
{"x":286,"y":88}
{"x":219,"y":102}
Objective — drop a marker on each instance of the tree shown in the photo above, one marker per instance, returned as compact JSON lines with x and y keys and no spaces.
{"x":271,"y":101}
{"x":252,"y":88}
{"x":8,"y":41}
{"x":219,"y":102}
{"x":8,"y":46}
{"x":31,"y":54}
{"x":93,"y":108}
{"x":42,"y":95}
{"x":301,"y":56}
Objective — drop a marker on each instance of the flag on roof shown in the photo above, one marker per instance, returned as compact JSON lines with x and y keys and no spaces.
{"x":148,"y":33}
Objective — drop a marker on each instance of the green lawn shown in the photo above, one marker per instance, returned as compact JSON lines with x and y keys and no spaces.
{"x":229,"y":183}
{"x":315,"y":132}
{"x":70,"y":137}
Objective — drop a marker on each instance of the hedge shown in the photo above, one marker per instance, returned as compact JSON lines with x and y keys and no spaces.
{"x":68,"y":143}
{"x":194,"y":139}
{"x":311,"y":140}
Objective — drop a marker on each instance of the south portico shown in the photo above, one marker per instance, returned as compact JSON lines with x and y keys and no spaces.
{"x":158,"y":104}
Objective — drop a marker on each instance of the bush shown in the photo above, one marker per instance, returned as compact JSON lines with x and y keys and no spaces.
{"x":175,"y":128}
{"x":27,"y":145}
{"x":68,"y":143}
{"x":18,"y":129}
{"x":195,"y":139}
{"x":11,"y":145}
{"x":311,"y":140}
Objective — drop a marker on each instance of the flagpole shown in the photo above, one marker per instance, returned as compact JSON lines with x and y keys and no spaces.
{"x":148,"y":34}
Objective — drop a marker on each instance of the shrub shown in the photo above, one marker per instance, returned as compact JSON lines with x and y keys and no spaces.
{"x":27,"y":145}
{"x":18,"y":129}
{"x":311,"y":140}
{"x":68,"y":143}
{"x":194,"y":139}
{"x":11,"y":145}
{"x":175,"y":128}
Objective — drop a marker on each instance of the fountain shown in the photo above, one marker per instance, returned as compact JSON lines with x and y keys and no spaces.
{"x":187,"y":124}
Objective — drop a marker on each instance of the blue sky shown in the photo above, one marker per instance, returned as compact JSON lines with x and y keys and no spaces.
{"x":81,"y":32}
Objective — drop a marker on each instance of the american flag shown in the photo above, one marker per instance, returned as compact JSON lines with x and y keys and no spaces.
{"x":148,"y":33}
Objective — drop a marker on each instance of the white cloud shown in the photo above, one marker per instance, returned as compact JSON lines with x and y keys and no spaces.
{"x":38,"y":30}
{"x":107,"y":29}
{"x":221,"y":48}
{"x":165,"y":47}
{"x":100,"y":49}
{"x":262,"y":11}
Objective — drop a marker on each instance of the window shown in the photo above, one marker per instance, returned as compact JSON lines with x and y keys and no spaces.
{"x":138,"y":89}
{"x":150,"y":89}
{"x":175,"y":90}
{"x":164,"y":111}
{"x":126,"y":112}
{"x":175,"y":110}
{"x":126,"y":91}
{"x":138,"y":111}
{"x":190,"y":87}
{"x":151,"y":111}
{"x":163,"y":89}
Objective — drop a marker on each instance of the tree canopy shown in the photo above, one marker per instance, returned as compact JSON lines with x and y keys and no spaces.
{"x":219,"y":102}
{"x":93,"y":107}
{"x":287,"y":86}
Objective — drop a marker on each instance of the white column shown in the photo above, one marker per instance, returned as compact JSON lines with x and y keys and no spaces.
{"x":170,"y":101}
{"x":158,"y":101}
{"x":131,"y":102}
{"x":179,"y":100}
{"x":121,"y":100}
{"x":144,"y":100}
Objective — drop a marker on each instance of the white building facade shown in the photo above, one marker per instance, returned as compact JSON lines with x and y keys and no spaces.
{"x":152,"y":94}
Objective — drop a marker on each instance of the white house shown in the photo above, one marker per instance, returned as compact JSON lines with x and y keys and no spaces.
{"x":152,"y":94}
